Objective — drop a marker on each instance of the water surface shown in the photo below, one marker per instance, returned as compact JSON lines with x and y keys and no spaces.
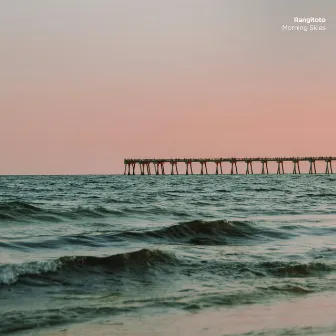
{"x":89,"y":249}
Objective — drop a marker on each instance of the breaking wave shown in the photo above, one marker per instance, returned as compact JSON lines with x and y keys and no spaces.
{"x":146,"y":260}
{"x":140,"y":259}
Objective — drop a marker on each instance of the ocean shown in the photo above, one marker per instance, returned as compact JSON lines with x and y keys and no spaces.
{"x":164,"y":255}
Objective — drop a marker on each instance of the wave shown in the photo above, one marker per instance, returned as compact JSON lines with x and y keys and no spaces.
{"x":9,"y":210}
{"x":143,"y":257}
{"x":324,"y":253}
{"x":196,"y":232}
{"x":205,"y":229}
{"x":19,"y":321}
{"x":282,"y":269}
{"x":317,"y":195}
{"x":19,"y":210}
{"x":294,"y":269}
{"x":271,"y":269}
{"x":28,"y":319}
{"x":23,"y":211}
{"x":290,"y":288}
{"x":266,"y":189}
{"x":15,"y":321}
{"x":201,"y":232}
{"x":61,"y":267}
{"x":326,"y":330}
{"x":68,"y":269}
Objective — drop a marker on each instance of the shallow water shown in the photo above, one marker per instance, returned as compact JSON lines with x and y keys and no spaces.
{"x":81,"y":249}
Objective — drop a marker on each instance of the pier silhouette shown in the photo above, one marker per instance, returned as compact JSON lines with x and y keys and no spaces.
{"x":159,"y":165}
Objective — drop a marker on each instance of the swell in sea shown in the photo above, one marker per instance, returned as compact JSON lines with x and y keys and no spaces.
{"x":80,"y":248}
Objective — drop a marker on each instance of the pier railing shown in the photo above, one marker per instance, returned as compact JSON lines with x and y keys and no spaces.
{"x":159,"y":165}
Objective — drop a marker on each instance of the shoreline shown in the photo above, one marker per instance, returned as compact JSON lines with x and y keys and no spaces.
{"x":309,"y":315}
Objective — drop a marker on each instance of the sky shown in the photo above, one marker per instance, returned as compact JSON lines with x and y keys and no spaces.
{"x":87,"y":83}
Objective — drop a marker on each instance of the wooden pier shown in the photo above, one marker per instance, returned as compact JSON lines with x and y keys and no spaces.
{"x":249,"y":163}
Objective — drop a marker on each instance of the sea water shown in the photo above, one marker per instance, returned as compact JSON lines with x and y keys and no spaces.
{"x":160,"y":255}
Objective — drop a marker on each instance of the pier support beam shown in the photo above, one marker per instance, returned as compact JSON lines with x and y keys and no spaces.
{"x":162,"y":168}
{"x":188,"y":164}
{"x":280,"y":167}
{"x":329,"y":169}
{"x":296,"y":167}
{"x":156,"y":167}
{"x":234,"y":167}
{"x":174,"y":165}
{"x":148,"y":168}
{"x":204,"y":164}
{"x":312,"y":167}
{"x":219,"y":163}
{"x":133,"y":168}
{"x":264,"y":165}
{"x":249,"y":168}
{"x":142,"y":168}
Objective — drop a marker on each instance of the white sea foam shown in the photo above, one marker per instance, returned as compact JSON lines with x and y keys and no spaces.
{"x":10,"y":273}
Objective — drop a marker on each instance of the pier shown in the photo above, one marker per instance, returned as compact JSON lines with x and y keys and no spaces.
{"x":252,"y":165}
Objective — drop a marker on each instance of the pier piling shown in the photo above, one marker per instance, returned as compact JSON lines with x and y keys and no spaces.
{"x":312,"y":166}
{"x":234,"y":168}
{"x":329,"y":169}
{"x":219,"y":163}
{"x":174,"y":165}
{"x":249,"y":168}
{"x":263,"y":166}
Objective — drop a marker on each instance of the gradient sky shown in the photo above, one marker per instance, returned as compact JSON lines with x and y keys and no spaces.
{"x":84,"y":84}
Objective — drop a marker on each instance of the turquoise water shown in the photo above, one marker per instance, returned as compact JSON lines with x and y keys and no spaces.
{"x":75,"y":249}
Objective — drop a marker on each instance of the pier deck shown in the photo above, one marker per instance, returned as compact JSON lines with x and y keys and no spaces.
{"x":159,"y":165}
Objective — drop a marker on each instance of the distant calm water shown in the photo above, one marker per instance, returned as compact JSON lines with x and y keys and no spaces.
{"x":79,"y":249}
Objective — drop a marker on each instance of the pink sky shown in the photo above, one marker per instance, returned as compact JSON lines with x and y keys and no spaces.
{"x":86,"y":83}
